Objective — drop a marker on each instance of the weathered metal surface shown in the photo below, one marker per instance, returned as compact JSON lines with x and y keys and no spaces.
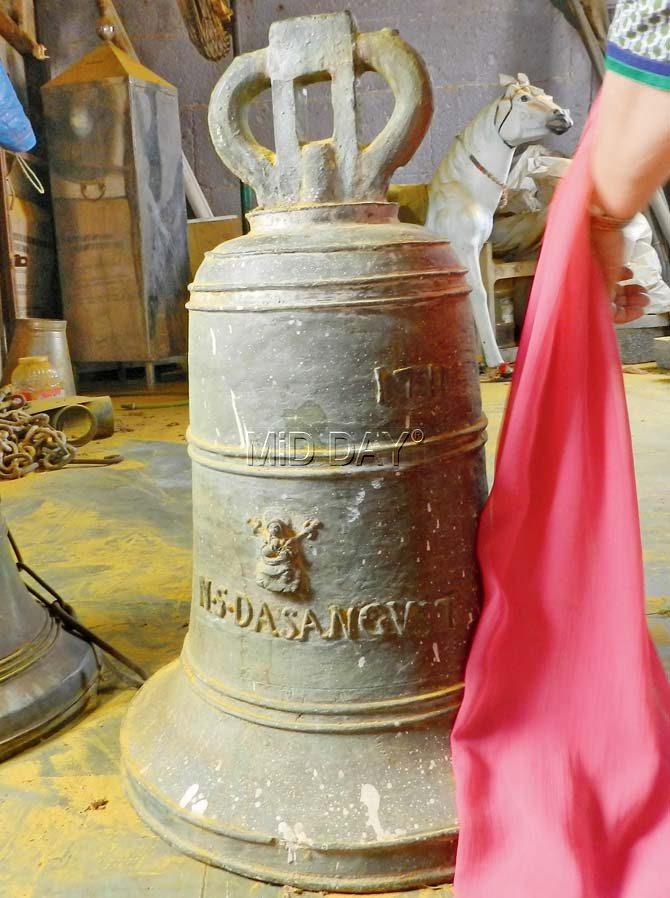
{"x":80,"y":418}
{"x":118,"y":199}
{"x":337,"y":444}
{"x":135,"y":521}
{"x":47,"y":676}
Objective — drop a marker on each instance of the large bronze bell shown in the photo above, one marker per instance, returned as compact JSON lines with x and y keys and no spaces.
{"x":337,"y":445}
{"x":47,"y":676}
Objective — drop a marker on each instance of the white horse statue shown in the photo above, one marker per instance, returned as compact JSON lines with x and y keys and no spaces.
{"x":470,"y":183}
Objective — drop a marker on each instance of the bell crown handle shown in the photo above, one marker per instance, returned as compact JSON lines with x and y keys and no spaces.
{"x":339,"y":169}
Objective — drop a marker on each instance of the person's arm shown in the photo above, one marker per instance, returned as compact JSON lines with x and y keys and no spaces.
{"x":631,"y":155}
{"x":631,"y":159}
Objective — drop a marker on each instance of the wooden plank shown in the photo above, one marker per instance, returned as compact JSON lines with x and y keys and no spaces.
{"x":7,"y":274}
{"x":522,"y":269}
{"x":590,"y":41}
{"x":102,"y":282}
{"x":12,"y":30}
{"x":23,"y":12}
{"x":204,"y":234}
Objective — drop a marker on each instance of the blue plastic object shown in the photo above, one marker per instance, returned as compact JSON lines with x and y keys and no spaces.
{"x":16,"y":132}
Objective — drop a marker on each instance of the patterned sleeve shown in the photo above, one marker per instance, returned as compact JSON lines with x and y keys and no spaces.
{"x":639,"y":41}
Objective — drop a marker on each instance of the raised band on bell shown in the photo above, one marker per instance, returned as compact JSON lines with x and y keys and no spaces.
{"x":303,"y":736}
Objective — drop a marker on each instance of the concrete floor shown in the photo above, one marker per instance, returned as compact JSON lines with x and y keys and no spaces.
{"x":116,"y":541}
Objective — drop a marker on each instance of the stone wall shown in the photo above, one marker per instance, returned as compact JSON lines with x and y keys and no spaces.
{"x":465,"y":45}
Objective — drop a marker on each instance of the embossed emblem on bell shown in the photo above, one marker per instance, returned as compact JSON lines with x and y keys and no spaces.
{"x":303,"y":736}
{"x":47,"y":676}
{"x":280,"y":566}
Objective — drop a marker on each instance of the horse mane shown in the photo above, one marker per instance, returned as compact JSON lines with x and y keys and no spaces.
{"x":484,"y":118}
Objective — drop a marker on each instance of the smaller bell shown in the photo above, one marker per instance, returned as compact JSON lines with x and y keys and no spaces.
{"x":47,"y":676}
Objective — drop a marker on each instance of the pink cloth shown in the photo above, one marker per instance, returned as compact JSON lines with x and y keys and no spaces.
{"x":562,"y":746}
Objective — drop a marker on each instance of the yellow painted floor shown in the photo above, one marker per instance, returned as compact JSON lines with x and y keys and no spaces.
{"x":116,"y":542}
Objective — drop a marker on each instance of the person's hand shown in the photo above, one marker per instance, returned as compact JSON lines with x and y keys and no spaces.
{"x":628,"y":300}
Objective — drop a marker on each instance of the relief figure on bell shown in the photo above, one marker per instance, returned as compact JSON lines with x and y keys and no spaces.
{"x":280,"y":566}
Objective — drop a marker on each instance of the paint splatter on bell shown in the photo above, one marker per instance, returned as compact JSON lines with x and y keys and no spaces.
{"x":337,"y":444}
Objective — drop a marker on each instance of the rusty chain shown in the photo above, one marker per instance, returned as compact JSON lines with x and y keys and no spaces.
{"x":28,"y":442}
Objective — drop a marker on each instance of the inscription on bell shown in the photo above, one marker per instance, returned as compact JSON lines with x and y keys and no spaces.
{"x":366,"y":621}
{"x":417,"y":383}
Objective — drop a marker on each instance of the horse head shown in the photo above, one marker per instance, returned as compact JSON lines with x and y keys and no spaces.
{"x":525,"y":112}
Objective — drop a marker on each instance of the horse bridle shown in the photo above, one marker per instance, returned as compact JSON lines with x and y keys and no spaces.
{"x":480,"y":166}
{"x":484,"y":170}
{"x":505,"y":117}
